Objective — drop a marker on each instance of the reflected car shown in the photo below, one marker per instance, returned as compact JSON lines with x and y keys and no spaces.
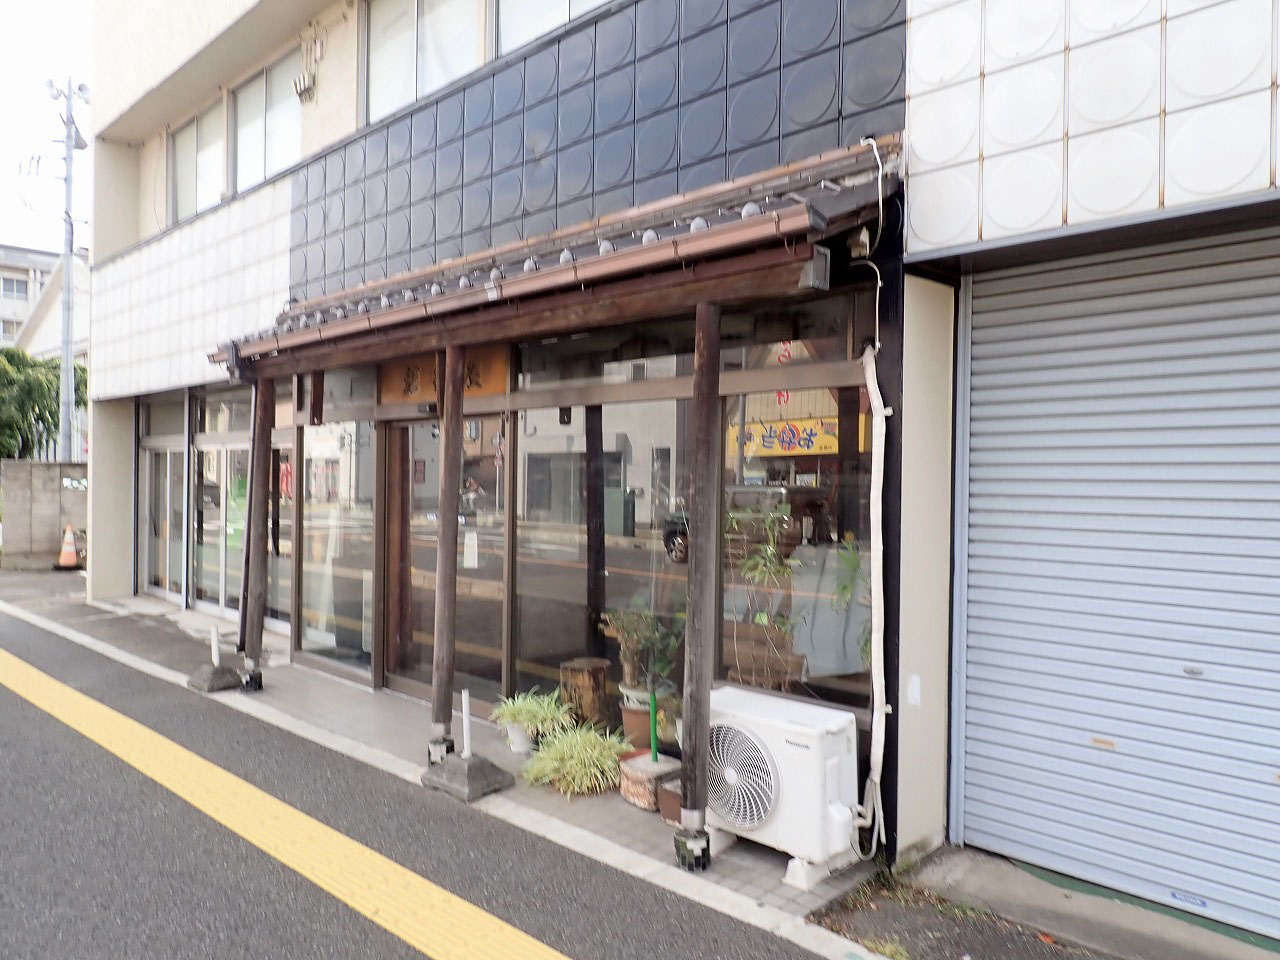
{"x":746,"y":507}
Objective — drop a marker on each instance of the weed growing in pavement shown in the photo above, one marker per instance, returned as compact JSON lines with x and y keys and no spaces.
{"x":891,"y":949}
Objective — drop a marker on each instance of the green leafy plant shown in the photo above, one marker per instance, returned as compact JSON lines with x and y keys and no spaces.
{"x":541,"y":714}
{"x":647,"y":644}
{"x":851,"y":583}
{"x":576,"y":761}
{"x":29,"y":401}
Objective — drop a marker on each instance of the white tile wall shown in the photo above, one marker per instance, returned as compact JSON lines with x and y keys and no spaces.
{"x":159,"y":310}
{"x":1024,"y":115}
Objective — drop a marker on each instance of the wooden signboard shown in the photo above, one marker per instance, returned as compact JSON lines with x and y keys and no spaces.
{"x":412,"y":380}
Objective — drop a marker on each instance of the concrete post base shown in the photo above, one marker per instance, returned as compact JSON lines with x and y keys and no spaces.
{"x":210,"y":679}
{"x":467,"y":779}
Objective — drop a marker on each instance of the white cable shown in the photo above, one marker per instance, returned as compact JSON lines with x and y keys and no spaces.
{"x":875,"y":148}
{"x":871,"y":813}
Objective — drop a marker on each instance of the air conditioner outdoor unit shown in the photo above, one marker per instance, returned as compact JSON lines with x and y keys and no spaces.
{"x":784,"y":773}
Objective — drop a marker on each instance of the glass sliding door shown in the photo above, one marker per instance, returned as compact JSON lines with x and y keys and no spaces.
{"x":413,"y":499}
{"x":337,"y":542}
{"x":157,"y":512}
{"x":207,"y":526}
{"x":237,"y":512}
{"x":280,"y":536}
{"x":177,"y":492}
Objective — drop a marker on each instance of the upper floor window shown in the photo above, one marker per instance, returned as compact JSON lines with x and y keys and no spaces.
{"x":520,"y":21}
{"x":417,"y":46}
{"x":199,"y":163}
{"x":13,"y":288}
{"x":268,"y":123}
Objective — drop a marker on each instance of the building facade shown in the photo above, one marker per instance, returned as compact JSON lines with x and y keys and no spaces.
{"x":1098,"y":181}
{"x":1058,"y":248}
{"x":23,"y":275}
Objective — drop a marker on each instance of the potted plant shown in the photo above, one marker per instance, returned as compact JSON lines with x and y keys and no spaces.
{"x":529,"y":717}
{"x":577,"y":760}
{"x":647,"y":648}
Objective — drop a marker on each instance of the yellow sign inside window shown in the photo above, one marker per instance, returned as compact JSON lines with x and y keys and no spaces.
{"x":796,"y":437}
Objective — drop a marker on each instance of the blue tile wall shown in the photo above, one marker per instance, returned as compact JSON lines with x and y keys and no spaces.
{"x":648,"y":99}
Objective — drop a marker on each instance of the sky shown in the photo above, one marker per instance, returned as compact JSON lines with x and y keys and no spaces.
{"x":40,"y":41}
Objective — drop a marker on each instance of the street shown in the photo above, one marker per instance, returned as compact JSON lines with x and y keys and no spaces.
{"x":97,"y":859}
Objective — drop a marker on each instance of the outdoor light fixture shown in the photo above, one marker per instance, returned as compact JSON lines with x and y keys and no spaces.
{"x":530,"y":265}
{"x":751,"y":209}
{"x":436,"y":289}
{"x":650,"y":237}
{"x":566,"y":256}
{"x":606,"y":247}
{"x":495,"y":275}
{"x":464,"y":283}
{"x":699,"y":224}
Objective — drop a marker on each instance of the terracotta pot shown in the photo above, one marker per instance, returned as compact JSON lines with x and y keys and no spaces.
{"x":635,"y":726}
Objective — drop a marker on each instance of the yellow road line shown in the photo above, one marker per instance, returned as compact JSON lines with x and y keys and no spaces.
{"x":427,"y":917}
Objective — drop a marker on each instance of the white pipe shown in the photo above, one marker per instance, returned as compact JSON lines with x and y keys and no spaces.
{"x":466,"y":724}
{"x":214,"y":649}
{"x":871,"y":812}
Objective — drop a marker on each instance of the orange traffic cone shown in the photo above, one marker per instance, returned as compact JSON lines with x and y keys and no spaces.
{"x":68,"y":559}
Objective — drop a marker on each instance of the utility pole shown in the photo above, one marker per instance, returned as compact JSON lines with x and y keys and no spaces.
{"x":72,"y":141}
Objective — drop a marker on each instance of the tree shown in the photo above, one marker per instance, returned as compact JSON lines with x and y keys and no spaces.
{"x":29,"y":402}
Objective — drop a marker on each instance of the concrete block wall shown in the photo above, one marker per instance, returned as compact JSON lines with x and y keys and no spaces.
{"x":40,"y":499}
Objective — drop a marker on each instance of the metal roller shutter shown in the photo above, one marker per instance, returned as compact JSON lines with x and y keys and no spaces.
{"x":1119,"y":581}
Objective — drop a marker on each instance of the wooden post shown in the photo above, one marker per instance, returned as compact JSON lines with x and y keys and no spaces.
{"x":702,"y":625}
{"x":255,"y":605}
{"x":584,"y":682}
{"x":447,"y":556}
{"x":593,"y":500}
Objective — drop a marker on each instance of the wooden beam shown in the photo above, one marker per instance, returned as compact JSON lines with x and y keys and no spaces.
{"x":770,"y":273}
{"x":447,"y":556}
{"x":593,"y":501}
{"x":315,"y":399}
{"x":255,"y":607}
{"x":705,"y":611}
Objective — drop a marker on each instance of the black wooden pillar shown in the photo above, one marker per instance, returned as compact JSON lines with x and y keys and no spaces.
{"x":254,"y":609}
{"x":704,"y":611}
{"x":593,"y":502}
{"x":447,"y":557}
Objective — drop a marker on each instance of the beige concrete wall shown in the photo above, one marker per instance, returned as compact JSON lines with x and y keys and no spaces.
{"x":137,"y":44}
{"x":115,"y":198}
{"x":924,"y":650}
{"x":334,"y":111}
{"x":110,"y":519}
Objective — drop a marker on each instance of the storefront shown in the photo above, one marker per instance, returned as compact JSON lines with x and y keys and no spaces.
{"x":608,"y":394}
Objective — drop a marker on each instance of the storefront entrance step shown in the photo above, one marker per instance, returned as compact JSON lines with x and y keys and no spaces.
{"x":467,"y":778}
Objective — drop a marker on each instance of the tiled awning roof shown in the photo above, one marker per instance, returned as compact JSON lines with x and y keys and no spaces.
{"x":809,"y":199}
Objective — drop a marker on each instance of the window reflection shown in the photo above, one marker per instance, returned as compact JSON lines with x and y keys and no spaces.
{"x":337,"y":541}
{"x":598,"y":489}
{"x":795,"y":541}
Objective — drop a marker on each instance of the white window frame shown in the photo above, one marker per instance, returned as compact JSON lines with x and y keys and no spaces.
{"x":9,"y":288}
{"x":233,"y":140}
{"x":194,"y":124}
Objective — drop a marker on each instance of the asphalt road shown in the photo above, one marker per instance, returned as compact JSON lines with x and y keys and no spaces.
{"x":97,"y":861}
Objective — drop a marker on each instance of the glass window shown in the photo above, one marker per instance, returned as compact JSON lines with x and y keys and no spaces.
{"x":284,"y":115}
{"x":210,"y":157}
{"x":350,"y":385}
{"x":450,"y":41}
{"x":13,"y":288}
{"x":162,"y":418}
{"x":250,"y":132}
{"x":184,"y":172}
{"x":199,"y":163}
{"x":280,"y":535}
{"x":224,"y":412}
{"x":413,"y":520}
{"x":337,"y":541}
{"x":391,"y":60}
{"x":520,"y":21}
{"x":600,"y":568}
{"x":207,"y":526}
{"x":268,"y":122}
{"x":796,"y":542}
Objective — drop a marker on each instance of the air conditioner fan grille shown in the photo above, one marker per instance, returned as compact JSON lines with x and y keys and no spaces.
{"x":742,"y":782}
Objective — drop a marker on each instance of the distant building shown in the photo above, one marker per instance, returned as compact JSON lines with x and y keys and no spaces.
{"x":40,"y":334}
{"x":23,"y":274}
